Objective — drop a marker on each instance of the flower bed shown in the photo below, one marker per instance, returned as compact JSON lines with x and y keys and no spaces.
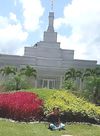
{"x":21,"y":106}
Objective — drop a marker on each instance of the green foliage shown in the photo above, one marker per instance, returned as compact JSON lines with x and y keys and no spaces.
{"x":70,"y":103}
{"x":87,"y":79}
{"x":10,"y":85}
{"x":67,"y":102}
{"x":69,"y":85}
{"x":16,"y":76}
{"x":28,"y":71}
{"x":93,"y":87}
{"x":43,"y":93}
{"x":7,"y":70}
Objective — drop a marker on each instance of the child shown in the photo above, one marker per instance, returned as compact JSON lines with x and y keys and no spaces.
{"x":54,"y":119}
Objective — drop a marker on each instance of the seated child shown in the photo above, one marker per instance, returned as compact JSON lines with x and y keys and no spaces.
{"x":54,"y":119}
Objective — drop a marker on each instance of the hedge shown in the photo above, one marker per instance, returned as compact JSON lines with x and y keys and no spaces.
{"x":74,"y":108}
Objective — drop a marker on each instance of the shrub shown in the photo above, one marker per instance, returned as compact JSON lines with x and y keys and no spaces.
{"x":10,"y":85}
{"x":21,"y":106}
{"x":69,"y":85}
{"x":75,"y":109}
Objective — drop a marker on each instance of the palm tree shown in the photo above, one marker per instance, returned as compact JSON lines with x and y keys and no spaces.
{"x":80,"y":76}
{"x":92,"y":77}
{"x":7,"y":70}
{"x":70,"y":74}
{"x":70,"y":78}
{"x":17,"y":73}
{"x":28,"y":71}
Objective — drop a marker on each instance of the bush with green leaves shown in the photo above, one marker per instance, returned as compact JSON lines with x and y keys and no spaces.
{"x":10,"y":85}
{"x":13,"y":77}
{"x":69,"y":84}
{"x":77,"y":107}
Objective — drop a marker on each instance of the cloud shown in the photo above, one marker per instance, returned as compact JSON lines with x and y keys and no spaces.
{"x":15,"y":2}
{"x":12,"y":35}
{"x":32,"y":12}
{"x":83,"y":16}
{"x":12,"y":17}
{"x":14,"y":32}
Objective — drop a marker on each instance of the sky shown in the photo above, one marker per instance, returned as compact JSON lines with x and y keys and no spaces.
{"x":77,"y":22}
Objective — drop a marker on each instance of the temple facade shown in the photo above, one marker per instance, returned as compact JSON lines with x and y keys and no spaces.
{"x":50,"y":61}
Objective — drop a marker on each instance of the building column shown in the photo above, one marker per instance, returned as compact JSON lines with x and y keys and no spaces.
{"x":61,"y":81}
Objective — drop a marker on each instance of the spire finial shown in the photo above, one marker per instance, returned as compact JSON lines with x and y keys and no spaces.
{"x":52,"y":4}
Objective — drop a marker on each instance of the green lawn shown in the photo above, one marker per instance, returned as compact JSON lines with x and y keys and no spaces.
{"x":43,"y":93}
{"x":8,"y":128}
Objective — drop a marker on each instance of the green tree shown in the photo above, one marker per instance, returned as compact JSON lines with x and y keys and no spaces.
{"x":30,"y":74}
{"x":17,"y":74}
{"x":80,"y":76}
{"x":29,"y":71}
{"x":93,"y":84}
{"x":7,"y":70}
{"x":86,"y":80}
{"x":70,"y":74}
{"x":70,"y":79}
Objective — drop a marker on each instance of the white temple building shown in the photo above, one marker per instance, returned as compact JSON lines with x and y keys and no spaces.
{"x":50,"y":61}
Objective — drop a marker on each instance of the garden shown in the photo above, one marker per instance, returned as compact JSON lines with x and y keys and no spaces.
{"x":23,"y":109}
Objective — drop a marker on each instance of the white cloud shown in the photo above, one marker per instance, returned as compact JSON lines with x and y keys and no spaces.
{"x":32,"y":11}
{"x":12,"y":17}
{"x":12,"y":35}
{"x":15,"y":2}
{"x":83,"y":16}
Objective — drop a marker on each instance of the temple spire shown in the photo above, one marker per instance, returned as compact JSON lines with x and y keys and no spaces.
{"x":52,"y":5}
{"x":51,"y":18}
{"x":50,"y":35}
{"x":51,"y":22}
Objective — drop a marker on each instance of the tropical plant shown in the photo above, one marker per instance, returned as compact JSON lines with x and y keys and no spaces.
{"x":17,"y":74}
{"x":70,"y":74}
{"x":69,"y":85}
{"x":7,"y":70}
{"x":21,"y":106}
{"x":75,"y":109}
{"x":29,"y":71}
{"x":87,"y":80}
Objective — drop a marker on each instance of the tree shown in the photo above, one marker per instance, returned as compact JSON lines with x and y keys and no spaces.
{"x":93,"y":83}
{"x":70,"y":78}
{"x":7,"y":70}
{"x":88,"y":80}
{"x":70,"y":74}
{"x":80,"y":76}
{"x":28,"y":71}
{"x":18,"y":73}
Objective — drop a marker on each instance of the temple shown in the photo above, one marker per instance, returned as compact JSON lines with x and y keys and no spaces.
{"x":50,"y":61}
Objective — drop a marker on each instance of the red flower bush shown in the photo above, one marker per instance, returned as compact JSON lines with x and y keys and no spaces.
{"x":22,"y":106}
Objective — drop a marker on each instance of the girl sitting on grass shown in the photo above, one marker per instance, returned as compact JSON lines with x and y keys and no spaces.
{"x":54,"y":119}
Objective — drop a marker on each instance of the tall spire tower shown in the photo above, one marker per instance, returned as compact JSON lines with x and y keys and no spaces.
{"x":51,"y":18}
{"x":50,"y":35}
{"x":51,"y":22}
{"x":52,"y":4}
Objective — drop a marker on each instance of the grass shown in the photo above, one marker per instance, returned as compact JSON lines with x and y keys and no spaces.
{"x":43,"y":93}
{"x":8,"y":128}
